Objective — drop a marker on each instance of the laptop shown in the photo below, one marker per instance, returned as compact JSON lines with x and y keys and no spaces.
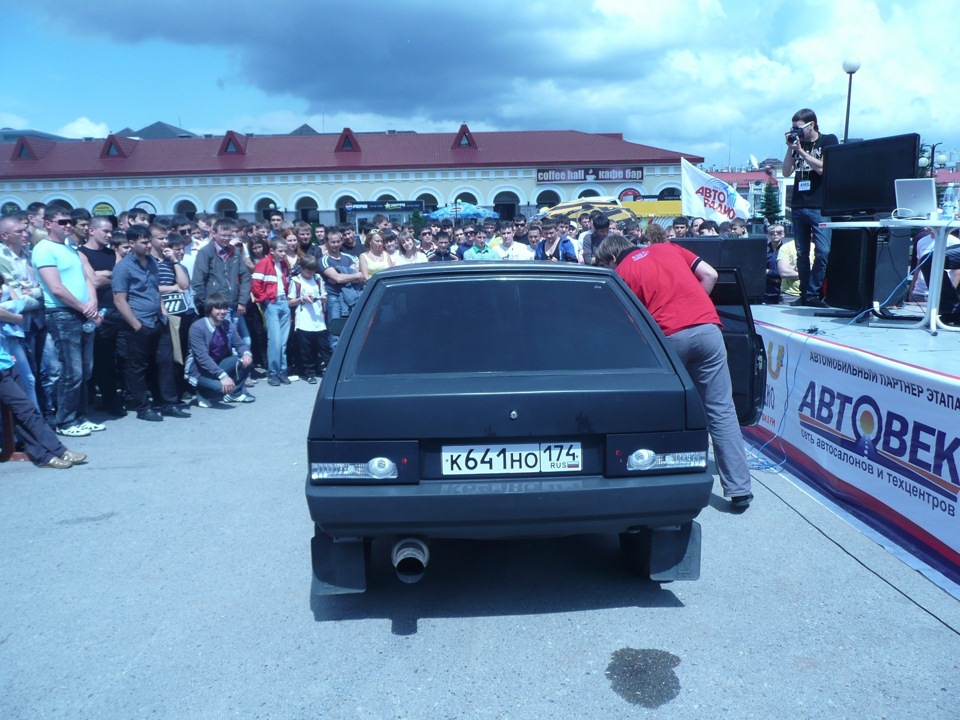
{"x":916,"y":198}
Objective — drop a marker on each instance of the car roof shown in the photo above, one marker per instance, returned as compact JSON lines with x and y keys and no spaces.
{"x":467,"y":268}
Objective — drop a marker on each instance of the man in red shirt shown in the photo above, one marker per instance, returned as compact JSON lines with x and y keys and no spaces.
{"x":674,"y":285}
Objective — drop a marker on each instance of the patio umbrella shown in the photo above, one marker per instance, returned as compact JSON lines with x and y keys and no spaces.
{"x":575,"y":208}
{"x":461,"y":211}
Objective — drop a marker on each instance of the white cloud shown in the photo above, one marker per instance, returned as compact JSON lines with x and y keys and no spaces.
{"x":9,"y":120}
{"x":721,"y":79}
{"x":84,"y":127}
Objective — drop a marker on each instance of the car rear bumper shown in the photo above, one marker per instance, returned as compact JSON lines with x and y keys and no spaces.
{"x":515,"y":507}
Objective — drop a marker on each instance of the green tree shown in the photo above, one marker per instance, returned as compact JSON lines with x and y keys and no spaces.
{"x":770,"y":203}
{"x":417,"y":220}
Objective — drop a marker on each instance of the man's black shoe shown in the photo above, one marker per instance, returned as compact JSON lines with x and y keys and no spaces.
{"x":150,"y":415}
{"x":816,"y":303}
{"x":741,"y":502}
{"x":273,"y":381}
{"x":174,"y":411}
{"x":797,"y":303}
{"x":116,"y":409}
{"x":284,"y":379}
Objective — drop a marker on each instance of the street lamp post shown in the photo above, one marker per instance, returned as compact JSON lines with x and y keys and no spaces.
{"x":929,"y":158}
{"x":850,"y":66}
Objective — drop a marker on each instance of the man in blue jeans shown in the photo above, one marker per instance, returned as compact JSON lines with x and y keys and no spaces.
{"x":343,"y":280}
{"x":72,"y":314}
{"x":40,"y":442}
{"x":271,"y":277}
{"x":804,"y":160}
{"x":219,"y":362}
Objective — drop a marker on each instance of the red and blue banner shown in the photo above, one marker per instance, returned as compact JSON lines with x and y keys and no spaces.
{"x":878,"y":436}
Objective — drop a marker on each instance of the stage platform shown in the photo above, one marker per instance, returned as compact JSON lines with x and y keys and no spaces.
{"x":868,"y":415}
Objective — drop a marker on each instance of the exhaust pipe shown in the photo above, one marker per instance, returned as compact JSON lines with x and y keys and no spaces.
{"x":410,"y":557}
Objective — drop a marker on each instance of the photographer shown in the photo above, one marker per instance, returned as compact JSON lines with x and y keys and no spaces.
{"x":804,"y":158}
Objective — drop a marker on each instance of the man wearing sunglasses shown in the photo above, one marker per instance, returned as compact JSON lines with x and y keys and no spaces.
{"x":469,"y":239}
{"x":427,"y":246}
{"x":70,"y":300}
{"x":520,"y":230}
{"x":804,"y":161}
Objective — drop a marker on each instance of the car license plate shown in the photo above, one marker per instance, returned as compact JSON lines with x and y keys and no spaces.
{"x":511,"y":459}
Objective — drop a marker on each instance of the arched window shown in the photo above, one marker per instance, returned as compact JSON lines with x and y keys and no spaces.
{"x":589,"y":193}
{"x":467,"y":198}
{"x":341,"y":207}
{"x":548,"y":198}
{"x":308,"y":210}
{"x":186,"y":207}
{"x":670,"y":193}
{"x":505,"y":205}
{"x":429,"y":202}
{"x":264,"y":207}
{"x":227,"y":208}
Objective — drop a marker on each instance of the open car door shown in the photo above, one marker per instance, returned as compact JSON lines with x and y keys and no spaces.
{"x":745,"y":353}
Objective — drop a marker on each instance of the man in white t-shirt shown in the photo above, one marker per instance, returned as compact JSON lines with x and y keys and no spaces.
{"x":510,"y":250}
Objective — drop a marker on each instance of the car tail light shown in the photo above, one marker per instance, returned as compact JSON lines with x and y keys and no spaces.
{"x":378,"y":468}
{"x":683,"y":451}
{"x":646,"y":459}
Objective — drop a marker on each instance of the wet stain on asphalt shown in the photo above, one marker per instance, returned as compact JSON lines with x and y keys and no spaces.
{"x":644,"y":677}
{"x":79,"y":520}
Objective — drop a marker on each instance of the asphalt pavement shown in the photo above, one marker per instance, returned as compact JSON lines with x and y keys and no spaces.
{"x":170,"y":578}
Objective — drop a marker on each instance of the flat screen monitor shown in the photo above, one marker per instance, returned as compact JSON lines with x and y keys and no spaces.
{"x":858,"y":176}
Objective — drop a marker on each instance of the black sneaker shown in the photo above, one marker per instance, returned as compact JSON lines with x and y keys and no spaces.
{"x":741,"y":502}
{"x":116,"y":409}
{"x":797,"y":303}
{"x":312,"y":379}
{"x":815,"y":303}
{"x":285,"y":380}
{"x":273,"y":381}
{"x":174,"y":412}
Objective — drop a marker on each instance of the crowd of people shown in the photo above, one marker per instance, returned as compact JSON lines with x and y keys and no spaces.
{"x":153,"y":315}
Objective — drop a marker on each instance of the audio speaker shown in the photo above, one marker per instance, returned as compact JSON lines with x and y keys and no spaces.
{"x":867,"y":265}
{"x":749,"y":254}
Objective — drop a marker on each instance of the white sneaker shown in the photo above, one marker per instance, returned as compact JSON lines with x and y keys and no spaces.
{"x":241,"y":398}
{"x":73,"y":431}
{"x":92,"y":426}
{"x":203,"y":402}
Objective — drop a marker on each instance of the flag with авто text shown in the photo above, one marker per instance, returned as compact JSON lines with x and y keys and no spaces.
{"x":709,"y":197}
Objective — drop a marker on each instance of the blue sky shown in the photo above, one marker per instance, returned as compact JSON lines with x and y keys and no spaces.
{"x":720,"y":79}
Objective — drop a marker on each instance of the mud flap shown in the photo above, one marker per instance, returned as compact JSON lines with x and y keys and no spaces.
{"x":339,"y":566}
{"x":675,"y":552}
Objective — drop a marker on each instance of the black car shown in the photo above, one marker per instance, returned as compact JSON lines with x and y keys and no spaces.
{"x":475,"y":400}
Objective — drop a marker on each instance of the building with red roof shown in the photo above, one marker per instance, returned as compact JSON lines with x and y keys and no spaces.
{"x":321,"y":176}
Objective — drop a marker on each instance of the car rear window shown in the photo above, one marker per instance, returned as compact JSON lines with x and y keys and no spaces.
{"x":490,"y":325}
